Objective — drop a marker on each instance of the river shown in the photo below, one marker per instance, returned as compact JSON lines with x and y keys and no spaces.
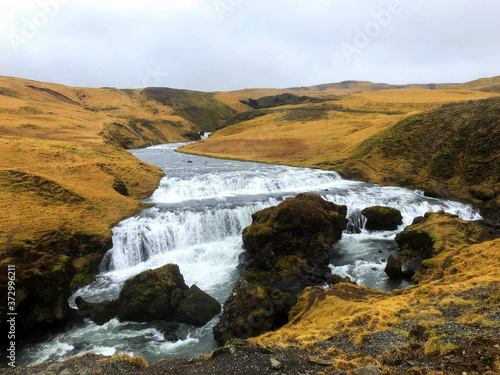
{"x":201,"y":208}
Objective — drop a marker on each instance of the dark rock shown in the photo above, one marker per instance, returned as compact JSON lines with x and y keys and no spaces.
{"x":305,"y":225}
{"x":414,"y":247}
{"x":100,"y":313}
{"x":336,"y":279}
{"x":197,"y":307}
{"x":382,"y":218}
{"x":393,"y":269}
{"x":173,"y":334}
{"x":162,"y":294}
{"x":418,"y":219}
{"x":152,"y":294}
{"x":251,"y":310}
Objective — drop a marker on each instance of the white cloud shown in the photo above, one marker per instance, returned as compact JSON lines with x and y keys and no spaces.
{"x":258,"y":43}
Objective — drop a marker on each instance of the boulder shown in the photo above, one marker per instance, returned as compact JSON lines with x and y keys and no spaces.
{"x":197,"y":307}
{"x":100,"y":313}
{"x":431,"y":235}
{"x":337,"y":279}
{"x":162,"y":294}
{"x":394,"y":268}
{"x":306,"y":226}
{"x":251,"y":310}
{"x":382,"y":218}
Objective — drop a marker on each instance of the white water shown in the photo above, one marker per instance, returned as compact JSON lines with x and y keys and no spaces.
{"x":202,"y":205}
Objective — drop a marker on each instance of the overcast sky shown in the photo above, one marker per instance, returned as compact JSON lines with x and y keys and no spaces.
{"x":216,"y":45}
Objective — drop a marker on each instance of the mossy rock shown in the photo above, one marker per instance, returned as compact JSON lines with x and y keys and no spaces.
{"x":162,"y":294}
{"x":382,"y":218}
{"x":152,"y":294}
{"x":251,"y":310}
{"x":306,"y":225}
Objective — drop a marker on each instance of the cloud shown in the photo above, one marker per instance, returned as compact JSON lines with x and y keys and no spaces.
{"x":257,"y":43}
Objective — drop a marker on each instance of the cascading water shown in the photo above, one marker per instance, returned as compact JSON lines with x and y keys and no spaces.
{"x":202,"y":205}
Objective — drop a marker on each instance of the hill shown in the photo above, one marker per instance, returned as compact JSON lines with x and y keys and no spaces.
{"x":452,"y":151}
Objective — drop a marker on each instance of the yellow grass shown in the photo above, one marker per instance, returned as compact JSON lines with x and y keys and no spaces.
{"x":278,"y":138}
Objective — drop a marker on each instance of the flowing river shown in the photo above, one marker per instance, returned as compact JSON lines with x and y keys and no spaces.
{"x":201,"y":208}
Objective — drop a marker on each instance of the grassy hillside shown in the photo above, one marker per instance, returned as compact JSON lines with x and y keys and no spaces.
{"x":452,"y":151}
{"x":316,"y":133}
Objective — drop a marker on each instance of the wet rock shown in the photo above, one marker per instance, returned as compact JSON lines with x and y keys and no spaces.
{"x":287,"y":248}
{"x":382,"y":218}
{"x":337,"y":279}
{"x":197,"y":307}
{"x":162,"y":294}
{"x":100,"y":313}
{"x":393,"y":269}
{"x":251,"y":310}
{"x":172,"y":334}
{"x":306,"y":225}
{"x":292,"y":241}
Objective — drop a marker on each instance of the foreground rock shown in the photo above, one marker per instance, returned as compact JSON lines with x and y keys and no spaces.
{"x":159,"y":294}
{"x":251,"y":310}
{"x":287,"y":248}
{"x":382,"y":218}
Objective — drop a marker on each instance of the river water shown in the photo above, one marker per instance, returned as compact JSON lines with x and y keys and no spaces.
{"x":201,"y":208}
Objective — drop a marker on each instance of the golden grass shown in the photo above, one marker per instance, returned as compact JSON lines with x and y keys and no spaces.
{"x":57,"y":172}
{"x":279,"y":138}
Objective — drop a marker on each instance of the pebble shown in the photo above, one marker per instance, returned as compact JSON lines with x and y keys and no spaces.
{"x":275,"y":364}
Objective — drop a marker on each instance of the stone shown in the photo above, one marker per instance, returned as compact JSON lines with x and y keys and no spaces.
{"x":287,"y":249}
{"x":251,"y":310}
{"x":393,"y":269}
{"x":275,"y":364}
{"x":100,"y":313}
{"x":337,"y":279}
{"x":306,"y":225}
{"x":197,"y":307}
{"x":382,"y":218}
{"x":162,"y":294}
{"x":152,"y":295}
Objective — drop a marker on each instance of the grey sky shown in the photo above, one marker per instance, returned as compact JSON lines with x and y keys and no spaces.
{"x":213,"y":45}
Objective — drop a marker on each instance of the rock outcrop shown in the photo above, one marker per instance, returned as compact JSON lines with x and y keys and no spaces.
{"x":382,"y":218}
{"x":428,"y":236}
{"x":158,"y":294}
{"x":287,"y":248}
